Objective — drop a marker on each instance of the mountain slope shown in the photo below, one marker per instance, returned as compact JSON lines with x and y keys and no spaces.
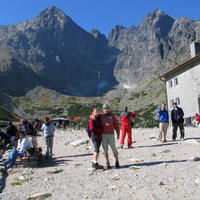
{"x":55,"y":53}
{"x":157,"y":45}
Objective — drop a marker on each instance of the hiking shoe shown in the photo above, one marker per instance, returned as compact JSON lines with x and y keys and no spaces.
{"x":117,"y":164}
{"x":97,"y":166}
{"x":108,"y":165}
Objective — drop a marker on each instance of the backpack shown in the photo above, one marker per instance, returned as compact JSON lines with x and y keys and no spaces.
{"x":131,"y":120}
{"x":89,"y":133}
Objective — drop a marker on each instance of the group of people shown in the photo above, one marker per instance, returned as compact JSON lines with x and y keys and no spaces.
{"x":27,"y":142}
{"x":103,"y":125}
{"x":177,"y":119}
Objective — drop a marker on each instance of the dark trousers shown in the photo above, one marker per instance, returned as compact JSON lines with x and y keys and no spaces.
{"x":97,"y":144}
{"x":175,"y":127}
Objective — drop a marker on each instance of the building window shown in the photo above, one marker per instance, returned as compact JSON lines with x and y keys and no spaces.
{"x":170,"y":84}
{"x":175,"y":81}
{"x":178,"y":101}
{"x":171,"y":103}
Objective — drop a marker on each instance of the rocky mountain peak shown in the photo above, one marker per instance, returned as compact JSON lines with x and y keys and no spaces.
{"x":157,"y":18}
{"x":54,"y":15}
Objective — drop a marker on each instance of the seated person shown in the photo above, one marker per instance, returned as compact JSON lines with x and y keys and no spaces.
{"x":23,"y":145}
{"x":33,"y":140}
{"x":196,"y":120}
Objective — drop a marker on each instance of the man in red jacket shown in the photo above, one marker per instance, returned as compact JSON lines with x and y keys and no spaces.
{"x":109,"y":125}
{"x":126,"y":126}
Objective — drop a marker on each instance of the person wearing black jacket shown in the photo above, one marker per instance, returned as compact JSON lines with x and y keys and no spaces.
{"x":177,"y":121}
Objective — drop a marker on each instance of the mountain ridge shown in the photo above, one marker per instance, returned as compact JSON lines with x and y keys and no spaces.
{"x":52,"y":52}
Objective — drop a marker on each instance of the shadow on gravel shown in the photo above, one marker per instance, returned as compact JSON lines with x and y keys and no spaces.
{"x":3,"y":180}
{"x":147,"y":164}
{"x":74,"y":156}
{"x":52,"y":163}
{"x":157,"y":145}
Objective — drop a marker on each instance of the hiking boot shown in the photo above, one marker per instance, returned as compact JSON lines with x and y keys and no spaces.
{"x":97,"y":166}
{"x":108,"y":165}
{"x":117,"y":164}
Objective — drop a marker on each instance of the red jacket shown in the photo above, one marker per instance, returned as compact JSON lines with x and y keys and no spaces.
{"x":197,"y":118}
{"x":96,"y":127}
{"x":125,"y":117}
{"x":109,"y":124}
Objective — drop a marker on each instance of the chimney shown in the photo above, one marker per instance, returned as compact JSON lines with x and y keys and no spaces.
{"x":194,"y":49}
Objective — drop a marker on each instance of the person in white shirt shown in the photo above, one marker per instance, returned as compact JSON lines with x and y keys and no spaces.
{"x":23,"y":145}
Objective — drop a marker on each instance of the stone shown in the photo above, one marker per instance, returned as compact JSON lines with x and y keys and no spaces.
{"x":55,"y":171}
{"x":135,"y":160}
{"x":166,"y":151}
{"x":79,"y":142}
{"x":134,"y":168}
{"x":161,"y":183}
{"x":192,"y":141}
{"x":195,"y":159}
{"x":197,"y":181}
{"x":21,"y":178}
{"x":27,"y":172}
{"x":164,"y":164}
{"x":39,"y":196}
{"x":113,"y":187}
{"x":152,"y":136}
{"x":115,"y":178}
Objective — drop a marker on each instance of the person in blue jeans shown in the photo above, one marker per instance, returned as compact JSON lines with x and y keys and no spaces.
{"x":23,"y":144}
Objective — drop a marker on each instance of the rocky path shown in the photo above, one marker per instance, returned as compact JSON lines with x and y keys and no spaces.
{"x":149,"y":171}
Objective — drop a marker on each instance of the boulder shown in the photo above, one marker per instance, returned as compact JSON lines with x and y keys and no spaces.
{"x":195,"y":159}
{"x":39,"y":196}
{"x":136,"y":160}
{"x":79,"y":142}
{"x":192,"y":141}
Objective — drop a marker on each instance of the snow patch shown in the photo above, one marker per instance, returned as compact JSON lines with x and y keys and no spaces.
{"x":127,"y":86}
{"x":58,"y":59}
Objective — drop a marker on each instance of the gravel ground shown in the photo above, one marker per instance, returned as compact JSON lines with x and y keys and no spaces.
{"x":149,"y":171}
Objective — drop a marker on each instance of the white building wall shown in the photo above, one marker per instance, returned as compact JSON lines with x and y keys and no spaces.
{"x":188,"y":90}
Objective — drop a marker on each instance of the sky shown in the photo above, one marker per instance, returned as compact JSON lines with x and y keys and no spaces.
{"x":99,"y":14}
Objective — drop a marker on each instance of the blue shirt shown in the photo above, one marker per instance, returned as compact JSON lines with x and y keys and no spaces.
{"x":163,"y":115}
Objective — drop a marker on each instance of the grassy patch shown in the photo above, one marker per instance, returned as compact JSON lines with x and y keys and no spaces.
{"x":137,"y":95}
{"x":146,"y":117}
{"x":20,"y":182}
{"x":5,"y":114}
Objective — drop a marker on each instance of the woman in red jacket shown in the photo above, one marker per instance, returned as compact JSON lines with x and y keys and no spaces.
{"x":96,"y":130}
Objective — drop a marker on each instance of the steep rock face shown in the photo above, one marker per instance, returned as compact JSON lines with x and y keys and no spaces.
{"x":58,"y":54}
{"x":157,"y":45}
